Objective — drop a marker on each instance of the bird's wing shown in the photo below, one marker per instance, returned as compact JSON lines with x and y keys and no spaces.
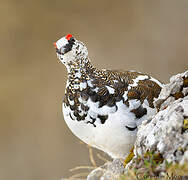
{"x":135,"y":90}
{"x":121,"y":92}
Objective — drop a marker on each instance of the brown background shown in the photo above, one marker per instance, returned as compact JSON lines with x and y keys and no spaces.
{"x":149,"y":36}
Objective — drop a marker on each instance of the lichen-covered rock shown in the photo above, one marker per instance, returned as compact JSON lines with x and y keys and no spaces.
{"x":165,"y":133}
{"x":96,"y":173}
{"x":177,"y":88}
{"x":110,"y":170}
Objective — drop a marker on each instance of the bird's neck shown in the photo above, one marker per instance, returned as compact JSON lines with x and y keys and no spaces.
{"x":80,"y":69}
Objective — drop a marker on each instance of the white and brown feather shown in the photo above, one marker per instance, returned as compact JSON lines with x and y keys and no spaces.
{"x":106,"y":88}
{"x":104,"y":107}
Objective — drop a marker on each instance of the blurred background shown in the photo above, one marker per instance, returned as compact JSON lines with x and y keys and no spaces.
{"x":148,"y":36}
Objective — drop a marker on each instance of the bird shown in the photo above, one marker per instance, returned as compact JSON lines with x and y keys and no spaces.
{"x":104,"y":108}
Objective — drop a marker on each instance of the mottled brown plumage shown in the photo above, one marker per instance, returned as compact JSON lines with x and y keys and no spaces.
{"x":104,"y":107}
{"x":118,"y":80}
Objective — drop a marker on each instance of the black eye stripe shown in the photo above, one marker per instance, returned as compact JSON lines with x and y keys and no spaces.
{"x":68,"y":46}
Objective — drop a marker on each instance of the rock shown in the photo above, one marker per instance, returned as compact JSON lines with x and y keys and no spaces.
{"x":110,"y":170}
{"x":165,"y":133}
{"x":96,"y":174}
{"x":177,"y":88}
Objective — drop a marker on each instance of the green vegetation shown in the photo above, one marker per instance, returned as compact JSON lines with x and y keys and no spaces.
{"x":152,"y":166}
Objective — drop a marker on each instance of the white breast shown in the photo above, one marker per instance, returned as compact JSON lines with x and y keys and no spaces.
{"x":111,"y":137}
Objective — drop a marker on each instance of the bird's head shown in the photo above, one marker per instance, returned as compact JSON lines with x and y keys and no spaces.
{"x":69,"y":49}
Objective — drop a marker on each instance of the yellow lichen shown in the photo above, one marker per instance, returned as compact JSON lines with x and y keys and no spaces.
{"x":185,"y":124}
{"x":129,"y":157}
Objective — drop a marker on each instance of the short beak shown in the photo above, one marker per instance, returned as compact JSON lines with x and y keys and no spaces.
{"x":55,"y":45}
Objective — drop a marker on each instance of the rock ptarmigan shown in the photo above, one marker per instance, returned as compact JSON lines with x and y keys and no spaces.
{"x":104,"y":107}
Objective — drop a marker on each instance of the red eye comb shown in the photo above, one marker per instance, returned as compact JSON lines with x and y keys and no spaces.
{"x":68,"y":36}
